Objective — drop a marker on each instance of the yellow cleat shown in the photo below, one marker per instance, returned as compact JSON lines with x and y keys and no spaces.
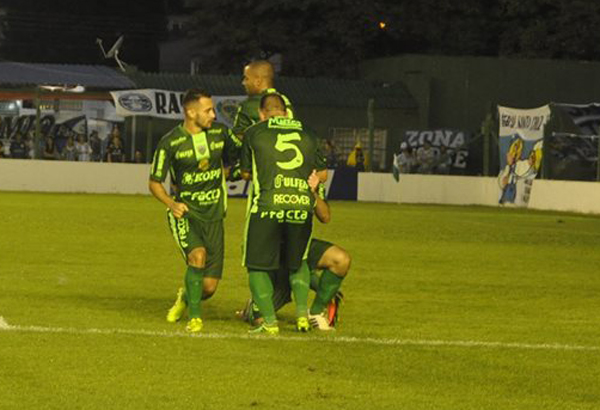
{"x":269,"y":329}
{"x":176,"y":312}
{"x":194,"y":325}
{"x":302,"y":325}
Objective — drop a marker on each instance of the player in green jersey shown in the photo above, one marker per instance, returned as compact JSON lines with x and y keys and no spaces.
{"x":258,"y":81}
{"x":279,"y":154}
{"x":193,"y":154}
{"x":330,"y":259}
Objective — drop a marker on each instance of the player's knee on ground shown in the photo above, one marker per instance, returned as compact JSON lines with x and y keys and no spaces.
{"x":337,"y":260}
{"x":209,"y":287}
{"x":197,"y":258}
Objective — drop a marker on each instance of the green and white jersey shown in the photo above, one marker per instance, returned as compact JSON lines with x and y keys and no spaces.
{"x":247,"y":114}
{"x":281,"y":155}
{"x":195,"y":163}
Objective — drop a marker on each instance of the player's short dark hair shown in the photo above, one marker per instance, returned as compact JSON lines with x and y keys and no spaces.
{"x":272,"y":101}
{"x":194,"y":94}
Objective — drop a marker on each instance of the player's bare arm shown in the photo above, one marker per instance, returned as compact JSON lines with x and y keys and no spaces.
{"x":158,"y":190}
{"x":322,"y":210}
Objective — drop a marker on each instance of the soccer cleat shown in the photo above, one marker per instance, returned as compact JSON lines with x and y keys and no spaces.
{"x":178,"y":309}
{"x":272,"y":329}
{"x":249,"y":313}
{"x":320,"y":321}
{"x":333,"y":309}
{"x":302,"y":325}
{"x":194,"y":325}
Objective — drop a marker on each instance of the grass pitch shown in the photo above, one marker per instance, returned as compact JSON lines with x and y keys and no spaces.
{"x":447,"y":308}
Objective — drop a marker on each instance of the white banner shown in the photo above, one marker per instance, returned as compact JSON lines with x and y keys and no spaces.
{"x":167,"y":104}
{"x":521,"y":137}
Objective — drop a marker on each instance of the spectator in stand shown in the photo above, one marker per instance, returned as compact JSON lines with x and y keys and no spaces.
{"x":84,"y":151}
{"x":2,"y":155}
{"x":50,"y":152}
{"x":69,"y":152}
{"x":357,"y":158}
{"x":115,"y":151}
{"x":330,"y":154}
{"x":18,"y":148}
{"x":406,"y":159}
{"x":96,"y":146}
{"x":443,"y":161}
{"x":138,"y":157}
{"x":425,"y":159}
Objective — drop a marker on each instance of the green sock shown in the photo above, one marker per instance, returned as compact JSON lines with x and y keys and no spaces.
{"x":299,"y":282}
{"x":262,"y":294}
{"x":329,"y":285}
{"x":193,"y":290}
{"x":314,"y":280}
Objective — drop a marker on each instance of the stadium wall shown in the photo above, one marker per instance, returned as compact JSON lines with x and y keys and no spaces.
{"x":64,"y":176}
{"x":570,"y":196}
{"x":104,"y":178}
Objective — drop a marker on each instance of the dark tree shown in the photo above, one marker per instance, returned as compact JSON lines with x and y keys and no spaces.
{"x":65,"y":31}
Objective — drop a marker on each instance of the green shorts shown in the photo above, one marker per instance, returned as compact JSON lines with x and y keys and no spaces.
{"x":315,"y":251}
{"x":190,"y":233}
{"x":271,"y":243}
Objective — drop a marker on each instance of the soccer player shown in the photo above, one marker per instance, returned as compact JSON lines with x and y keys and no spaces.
{"x":193,"y":154}
{"x":258,"y":81}
{"x":322,"y":255}
{"x":279,"y":155}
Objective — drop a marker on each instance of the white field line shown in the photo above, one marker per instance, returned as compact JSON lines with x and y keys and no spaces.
{"x":331,"y":338}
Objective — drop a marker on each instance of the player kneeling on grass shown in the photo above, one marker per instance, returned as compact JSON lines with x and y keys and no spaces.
{"x":332,"y":260}
{"x":193,"y":154}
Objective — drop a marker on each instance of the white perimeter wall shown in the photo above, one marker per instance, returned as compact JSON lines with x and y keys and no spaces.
{"x":93,"y":177}
{"x":63,"y":176}
{"x":458,"y":190}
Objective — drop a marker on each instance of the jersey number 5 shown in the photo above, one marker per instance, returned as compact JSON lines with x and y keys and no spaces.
{"x":284,"y":144}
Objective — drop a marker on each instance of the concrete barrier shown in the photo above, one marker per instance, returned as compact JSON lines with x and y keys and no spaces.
{"x":429,"y":189}
{"x":103,"y":178}
{"x":571,"y":196}
{"x":64,"y":176}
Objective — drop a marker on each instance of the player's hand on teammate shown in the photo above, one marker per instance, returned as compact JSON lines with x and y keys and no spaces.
{"x":178,"y":209}
{"x":313,"y":181}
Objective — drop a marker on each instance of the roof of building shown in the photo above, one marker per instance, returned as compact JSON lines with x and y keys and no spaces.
{"x":302,"y":91}
{"x":89,"y":76}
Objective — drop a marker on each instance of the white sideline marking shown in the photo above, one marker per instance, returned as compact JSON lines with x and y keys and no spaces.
{"x":332,"y":338}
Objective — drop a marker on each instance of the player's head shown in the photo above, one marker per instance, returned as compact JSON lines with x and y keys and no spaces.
{"x":198,"y":108}
{"x":258,"y":76}
{"x":272,"y":105}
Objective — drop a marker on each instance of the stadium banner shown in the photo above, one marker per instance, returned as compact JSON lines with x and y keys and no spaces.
{"x":449,"y":146}
{"x":168,"y":104}
{"x":520,"y":141}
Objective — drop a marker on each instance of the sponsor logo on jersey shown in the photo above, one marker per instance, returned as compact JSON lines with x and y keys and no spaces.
{"x":284,"y":122}
{"x":136,"y":102}
{"x":216,"y":145}
{"x":291,"y":199}
{"x":178,"y":141}
{"x":290,"y":215}
{"x":184,"y":154}
{"x":290,"y":182}
{"x":203,"y":197}
{"x":190,"y":178}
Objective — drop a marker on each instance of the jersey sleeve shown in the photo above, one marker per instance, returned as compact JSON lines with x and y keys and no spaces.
{"x":241,"y":122}
{"x":233,"y":147}
{"x":161,"y":162}
{"x":246,"y":155}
